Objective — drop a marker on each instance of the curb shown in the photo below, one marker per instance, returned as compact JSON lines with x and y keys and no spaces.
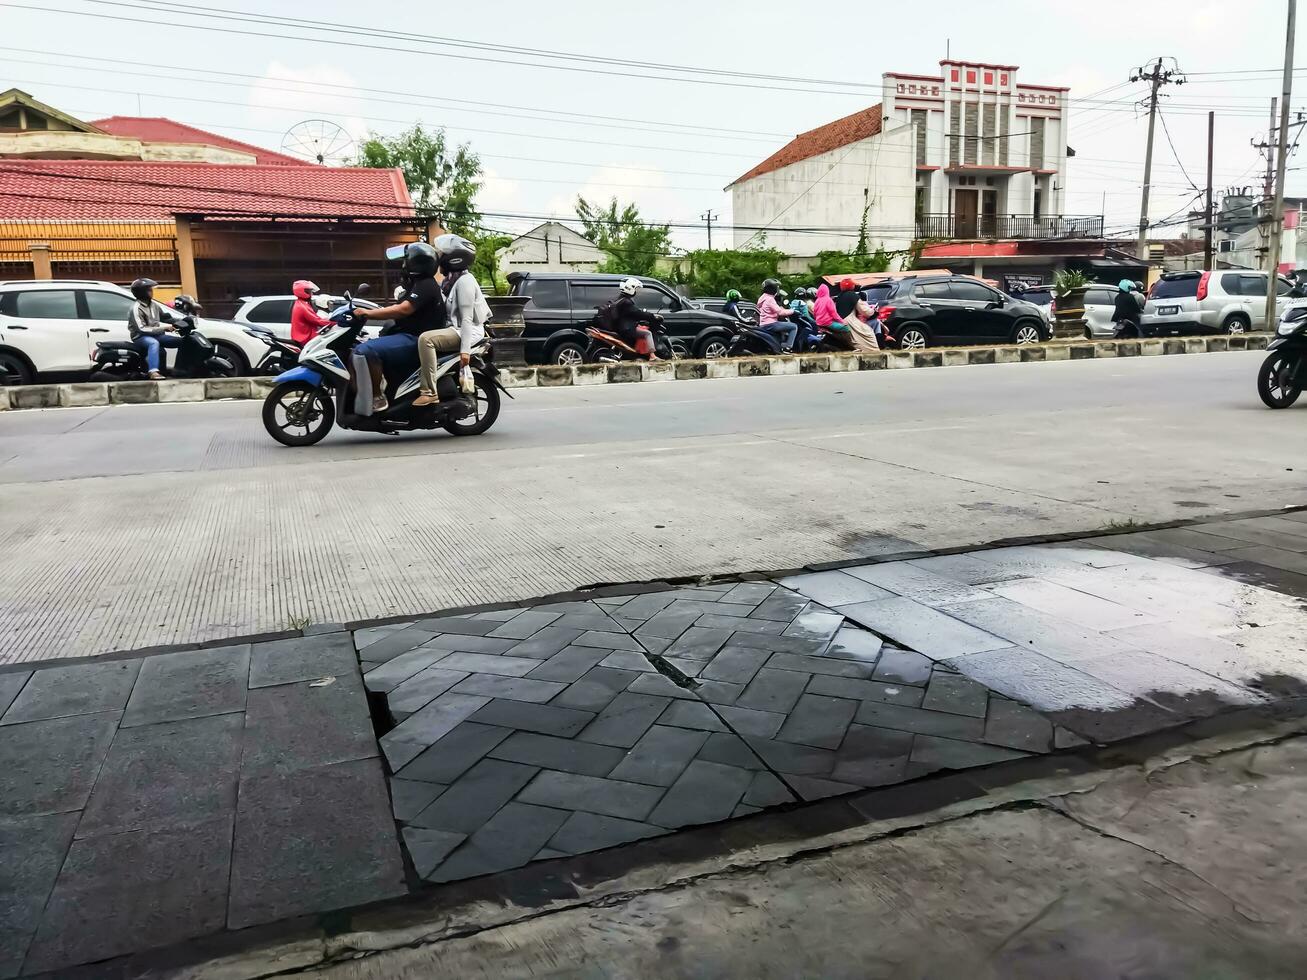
{"x":90,"y":395}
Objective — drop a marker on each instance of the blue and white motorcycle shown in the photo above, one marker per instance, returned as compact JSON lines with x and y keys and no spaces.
{"x":317,"y":394}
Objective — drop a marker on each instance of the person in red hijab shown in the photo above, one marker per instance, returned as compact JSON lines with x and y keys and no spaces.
{"x":305,"y":321}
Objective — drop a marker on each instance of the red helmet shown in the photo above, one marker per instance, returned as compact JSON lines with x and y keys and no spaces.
{"x":846,"y":285}
{"x":304,"y":289}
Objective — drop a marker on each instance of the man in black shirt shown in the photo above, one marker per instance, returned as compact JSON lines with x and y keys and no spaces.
{"x":421,"y":308}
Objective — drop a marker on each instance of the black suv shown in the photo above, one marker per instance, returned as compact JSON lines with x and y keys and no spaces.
{"x":563,"y":304}
{"x":947,"y":310}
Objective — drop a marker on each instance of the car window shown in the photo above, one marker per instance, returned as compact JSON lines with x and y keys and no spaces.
{"x":1039,"y":297}
{"x":1283,"y":287}
{"x":271,"y":311}
{"x":1230,"y":282}
{"x":971,"y":292}
{"x":878,"y":293}
{"x":933,"y":290}
{"x":108,"y":306}
{"x":592,"y":295}
{"x":547,"y":294}
{"x":1252,"y":285}
{"x":653,"y":300}
{"x":1099,"y":297}
{"x":1175,"y":288}
{"x":47,"y":304}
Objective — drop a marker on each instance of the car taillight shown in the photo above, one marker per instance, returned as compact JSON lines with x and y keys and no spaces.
{"x":883,"y":313}
{"x":1052,"y":306}
{"x":1202,"y":285}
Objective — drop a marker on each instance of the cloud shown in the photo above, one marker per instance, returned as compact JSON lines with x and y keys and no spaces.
{"x":285,"y":97}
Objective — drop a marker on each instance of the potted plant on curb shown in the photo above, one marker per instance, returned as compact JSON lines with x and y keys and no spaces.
{"x":1069,"y":286}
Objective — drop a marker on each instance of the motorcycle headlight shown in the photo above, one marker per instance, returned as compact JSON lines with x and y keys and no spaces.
{"x":1288,"y":327}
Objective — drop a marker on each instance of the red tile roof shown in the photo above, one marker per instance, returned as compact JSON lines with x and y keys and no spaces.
{"x":91,"y":190}
{"x":156,"y":129}
{"x":823,"y":139}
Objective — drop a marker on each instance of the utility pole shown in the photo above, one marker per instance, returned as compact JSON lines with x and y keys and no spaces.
{"x":1281,"y":162}
{"x":708,"y":216}
{"x":1157,"y":76}
{"x":1209,"y":258}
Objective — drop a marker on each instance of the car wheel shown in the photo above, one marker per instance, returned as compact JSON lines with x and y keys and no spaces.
{"x":913,"y":338}
{"x":14,"y":370}
{"x":1026,"y":332}
{"x":233,"y":357}
{"x":1273,"y":384}
{"x":1236,"y":323}
{"x":711,"y":348}
{"x":569,"y":354}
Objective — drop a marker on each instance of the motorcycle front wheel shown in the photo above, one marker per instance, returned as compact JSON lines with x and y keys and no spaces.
{"x":1273,"y":381}
{"x":298,"y":414}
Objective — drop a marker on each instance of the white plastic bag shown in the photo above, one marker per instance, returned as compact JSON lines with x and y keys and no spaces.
{"x":466,"y":383}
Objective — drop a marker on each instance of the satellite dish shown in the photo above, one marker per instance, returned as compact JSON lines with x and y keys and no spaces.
{"x":319,"y":141}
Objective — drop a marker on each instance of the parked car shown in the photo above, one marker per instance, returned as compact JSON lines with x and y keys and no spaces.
{"x":1100,"y":306}
{"x":1041,"y":297}
{"x":49,"y":328}
{"x":274,"y":311}
{"x":717,"y":304}
{"x":943,"y":310}
{"x":562,"y":305}
{"x":1210,"y":302}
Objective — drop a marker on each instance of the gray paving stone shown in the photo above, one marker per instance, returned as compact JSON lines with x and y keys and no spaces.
{"x":626,"y":660}
{"x":476,"y":796}
{"x":964,"y":569}
{"x":32,"y":850}
{"x":1073,"y":605}
{"x":690,"y":668}
{"x":295,"y":726}
{"x":906,"y":719}
{"x":766,"y":790}
{"x":80,"y":689}
{"x":596,"y":621}
{"x":1034,"y":679}
{"x":660,"y":756}
{"x":1150,"y":545}
{"x":584,"y":832}
{"x":872,"y":756}
{"x":510,"y":839}
{"x":773,"y":690}
{"x":691,"y":714}
{"x":409,"y":797}
{"x":593,"y":794}
{"x":740,"y":624}
{"x":652,"y":644}
{"x":818,"y":721}
{"x":833,"y":588}
{"x":750,"y":593}
{"x":312,"y":840}
{"x":645,"y":606}
{"x":542,"y":718}
{"x":705,"y":793}
{"x":562,"y":754}
{"x":781,"y":606}
{"x":856,"y":645}
{"x":511,"y":688}
{"x":713,"y":607}
{"x":546,"y":643}
{"x":458,"y":626}
{"x":1017,"y":727}
{"x":903,"y":667}
{"x":306,"y":659}
{"x":811,"y":788}
{"x":1065,"y":739}
{"x":729,"y":750}
{"x":660,"y":686}
{"x":571,"y":606}
{"x":472,"y":644}
{"x":191,"y":684}
{"x":596,"y":689}
{"x":427,"y":848}
{"x":749,"y":721}
{"x":569,"y":664}
{"x":50,"y":766}
{"x":169,"y":775}
{"x":949,"y":753}
{"x":428,"y":725}
{"x":525,"y":624}
{"x":859,"y":690}
{"x":370,"y":635}
{"x":774,"y":643}
{"x":499,"y":615}
{"x":119,"y":893}
{"x":816,"y":624}
{"x":668,"y":624}
{"x":390,"y":675}
{"x":1056,"y":638}
{"x":820,"y":665}
{"x":718,"y":692}
{"x":455,"y":753}
{"x":421,"y":689}
{"x":957,"y":695}
{"x":608,"y":641}
{"x":385,"y":648}
{"x":698,"y":643}
{"x":910,"y":579}
{"x":922,"y":628}
{"x":10,"y":685}
{"x":735,"y":664}
{"x":489,"y":663}
{"x":626,"y":719}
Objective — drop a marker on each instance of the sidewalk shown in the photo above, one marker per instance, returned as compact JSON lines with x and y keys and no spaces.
{"x":544,"y":732}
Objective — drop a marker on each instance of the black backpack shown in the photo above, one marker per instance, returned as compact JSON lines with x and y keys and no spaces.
{"x":606,"y":316}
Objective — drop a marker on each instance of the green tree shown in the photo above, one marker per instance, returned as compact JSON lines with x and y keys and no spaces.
{"x":486,"y":266}
{"x":444,"y":181}
{"x":633,"y":246}
{"x":712,"y":273}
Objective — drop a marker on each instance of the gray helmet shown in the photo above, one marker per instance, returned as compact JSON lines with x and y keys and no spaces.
{"x":456,"y":253}
{"x":772,"y":286}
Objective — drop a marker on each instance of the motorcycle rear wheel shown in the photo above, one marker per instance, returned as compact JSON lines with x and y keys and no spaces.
{"x":487,"y":411}
{"x":1273,"y":383}
{"x":307,"y":413}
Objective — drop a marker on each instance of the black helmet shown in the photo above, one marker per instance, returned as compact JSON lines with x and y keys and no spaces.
{"x":187,"y":304}
{"x":141,"y":288}
{"x":456,"y":253}
{"x":772,"y":286}
{"x":420,"y":260}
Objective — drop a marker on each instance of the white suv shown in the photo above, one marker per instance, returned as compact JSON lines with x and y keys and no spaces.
{"x":1230,"y":301}
{"x":273,"y":312}
{"x":50,"y":326}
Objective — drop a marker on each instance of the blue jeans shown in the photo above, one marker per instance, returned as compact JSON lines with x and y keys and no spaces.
{"x":786,"y":332}
{"x":397,"y":353}
{"x":149,"y":346}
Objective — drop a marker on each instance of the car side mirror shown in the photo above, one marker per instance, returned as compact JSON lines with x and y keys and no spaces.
{"x":676,"y":306}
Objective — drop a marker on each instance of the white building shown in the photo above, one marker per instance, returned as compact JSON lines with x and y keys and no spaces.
{"x":970,"y":153}
{"x":550,"y":247}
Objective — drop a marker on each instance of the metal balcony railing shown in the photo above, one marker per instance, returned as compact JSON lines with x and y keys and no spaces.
{"x":1009,"y":226}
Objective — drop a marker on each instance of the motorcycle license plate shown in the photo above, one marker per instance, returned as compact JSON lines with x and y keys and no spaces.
{"x":1168,"y":310}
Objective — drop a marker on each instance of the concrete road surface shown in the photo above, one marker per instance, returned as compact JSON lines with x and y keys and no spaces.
{"x":141,"y":525}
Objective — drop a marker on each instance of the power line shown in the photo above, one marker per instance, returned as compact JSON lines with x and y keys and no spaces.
{"x":1166,"y":130}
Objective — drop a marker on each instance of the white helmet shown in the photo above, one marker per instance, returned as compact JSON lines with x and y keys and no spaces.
{"x":630,"y":286}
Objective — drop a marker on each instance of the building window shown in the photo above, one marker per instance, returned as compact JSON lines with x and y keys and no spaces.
{"x":1037,"y":125}
{"x":972,"y":115}
{"x":1039,"y":202}
{"x":954,"y":74}
{"x":989,"y":78}
{"x":990,"y":124}
{"x":955,"y":129}
{"x":1003,"y":135}
{"x":919,"y":120}
{"x":921,"y":204}
{"x":971,"y":77}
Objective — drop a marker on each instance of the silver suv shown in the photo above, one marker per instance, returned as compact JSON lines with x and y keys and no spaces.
{"x":1230,"y":301}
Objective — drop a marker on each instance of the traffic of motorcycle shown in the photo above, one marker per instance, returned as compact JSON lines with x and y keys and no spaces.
{"x":197,"y":357}
{"x":1283,"y":374}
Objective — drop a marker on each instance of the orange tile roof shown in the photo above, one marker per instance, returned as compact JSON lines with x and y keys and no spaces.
{"x":823,"y":139}
{"x":156,"y":129}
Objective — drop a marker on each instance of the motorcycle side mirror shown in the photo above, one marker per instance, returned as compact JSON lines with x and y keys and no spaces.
{"x":347,"y":297}
{"x":363,"y":290}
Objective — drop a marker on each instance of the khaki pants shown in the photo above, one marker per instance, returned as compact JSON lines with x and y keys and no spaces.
{"x":430,"y":346}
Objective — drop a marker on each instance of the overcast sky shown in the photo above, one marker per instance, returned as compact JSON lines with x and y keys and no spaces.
{"x":669,"y":145}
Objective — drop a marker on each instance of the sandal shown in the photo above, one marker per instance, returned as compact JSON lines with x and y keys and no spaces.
{"x":155,"y":376}
{"x":424,"y":399}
